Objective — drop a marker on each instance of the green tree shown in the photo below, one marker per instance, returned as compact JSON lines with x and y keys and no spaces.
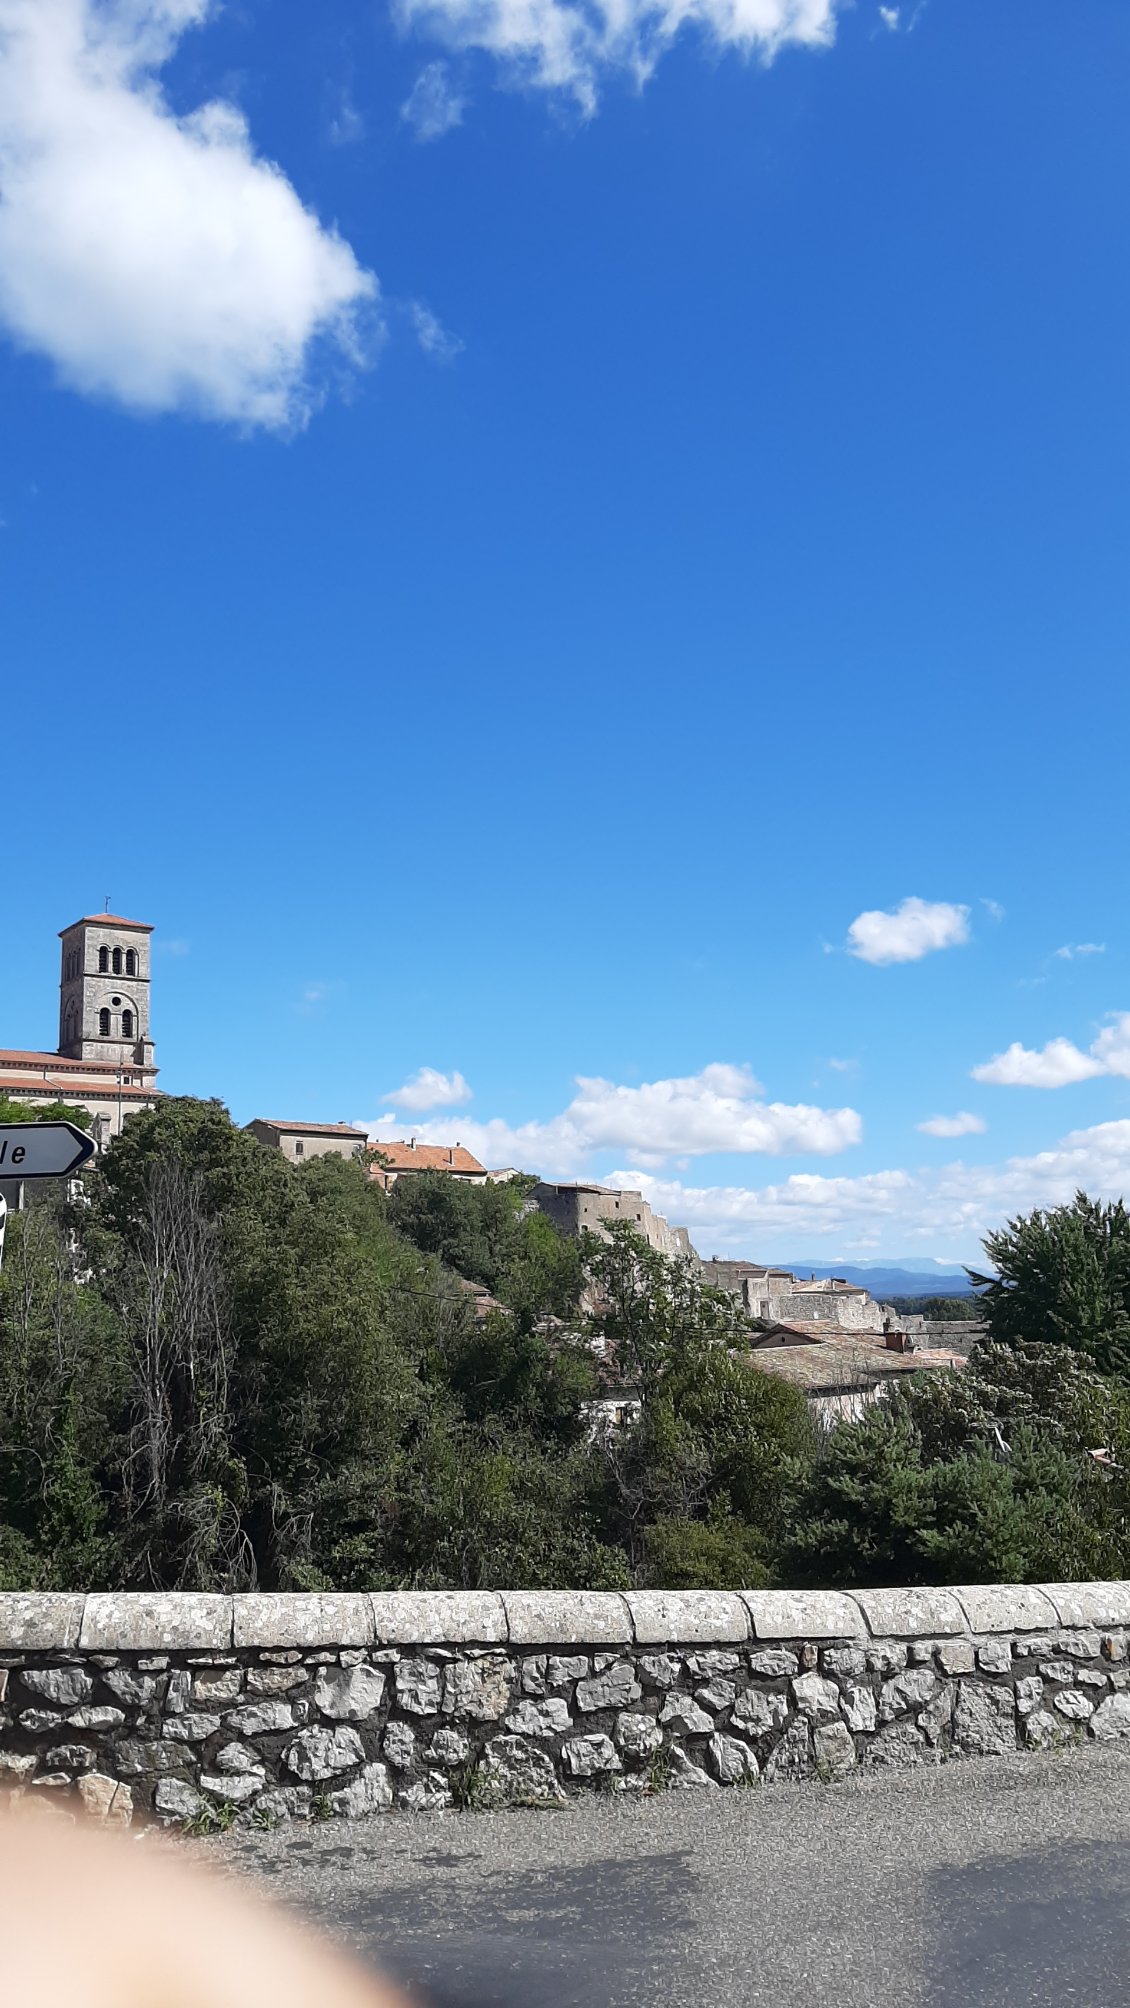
{"x":1063,"y":1278}
{"x":45,"y":1112}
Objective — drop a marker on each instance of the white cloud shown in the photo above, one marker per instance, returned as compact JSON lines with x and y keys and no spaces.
{"x":433,"y":337}
{"x":911,"y":931}
{"x":347,"y":127}
{"x":570,"y":45}
{"x":433,"y":106}
{"x":962,"y":1124}
{"x":717,"y":1110}
{"x":429,"y":1089}
{"x":1071,"y":949}
{"x":844,"y":1066}
{"x":1060,"y":1063}
{"x":993,"y":908}
{"x":156,"y":259}
{"x":953,"y":1207}
{"x":889,"y":16}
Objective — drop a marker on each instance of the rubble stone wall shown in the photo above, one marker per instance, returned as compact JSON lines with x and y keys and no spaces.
{"x":205,"y":1709}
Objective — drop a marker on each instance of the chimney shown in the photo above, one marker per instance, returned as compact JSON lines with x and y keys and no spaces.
{"x":412,"y":1145}
{"x":895,"y":1342}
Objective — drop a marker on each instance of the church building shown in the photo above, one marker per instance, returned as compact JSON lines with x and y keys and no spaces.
{"x":104,"y":1062}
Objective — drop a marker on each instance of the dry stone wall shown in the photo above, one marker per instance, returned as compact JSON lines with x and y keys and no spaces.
{"x":201,"y":1709}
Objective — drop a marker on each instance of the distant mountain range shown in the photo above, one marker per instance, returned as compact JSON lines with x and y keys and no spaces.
{"x":889,"y":1279}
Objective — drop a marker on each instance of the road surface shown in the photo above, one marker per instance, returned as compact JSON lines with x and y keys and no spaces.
{"x":990,"y":1882}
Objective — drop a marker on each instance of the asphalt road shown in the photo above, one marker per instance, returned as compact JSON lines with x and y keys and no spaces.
{"x":989,"y":1882}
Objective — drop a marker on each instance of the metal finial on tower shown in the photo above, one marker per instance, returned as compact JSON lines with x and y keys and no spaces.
{"x":106,"y":909}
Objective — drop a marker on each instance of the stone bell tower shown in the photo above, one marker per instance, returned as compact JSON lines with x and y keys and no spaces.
{"x":104,"y":991}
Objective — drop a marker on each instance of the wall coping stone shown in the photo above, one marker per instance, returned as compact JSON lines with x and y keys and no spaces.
{"x":1006,"y":1607}
{"x":804,"y":1614}
{"x":440,"y":1617}
{"x":919,"y":1613}
{"x":135,"y":1621}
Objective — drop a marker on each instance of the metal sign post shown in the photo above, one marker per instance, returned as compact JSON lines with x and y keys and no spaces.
{"x":40,"y":1150}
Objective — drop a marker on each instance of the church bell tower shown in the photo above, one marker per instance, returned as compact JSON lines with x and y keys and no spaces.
{"x":104,"y":991}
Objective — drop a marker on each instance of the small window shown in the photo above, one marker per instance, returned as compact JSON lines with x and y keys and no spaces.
{"x":131,"y":962}
{"x":103,"y":1024}
{"x":117,"y":961}
{"x":127,"y":1024}
{"x":299,"y":1147}
{"x":103,"y":961}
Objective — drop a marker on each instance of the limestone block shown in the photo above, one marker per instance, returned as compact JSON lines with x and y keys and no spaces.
{"x":66,"y":1686}
{"x":291,"y":1618}
{"x":449,"y":1746}
{"x":804,"y":1614}
{"x":398,"y":1746}
{"x":177,"y":1800}
{"x":136,"y":1690}
{"x":173,"y":1620}
{"x":560,"y":1668}
{"x":482,"y":1688}
{"x":955,"y":1656}
{"x":194,"y":1728}
{"x":681,"y":1713}
{"x":732,"y":1762}
{"x":213,"y":1684}
{"x":14,"y":1766}
{"x":533,"y":1673}
{"x":39,"y":1621}
{"x":567,"y":1617}
{"x":512,"y":1771}
{"x":178,"y":1691}
{"x":844,"y":1659}
{"x":438,"y":1617}
{"x":717,"y":1695}
{"x":706,"y":1665}
{"x":105,"y":1799}
{"x":684,"y":1774}
{"x":369,"y":1792}
{"x":638,"y":1735}
{"x":96,"y":1718}
{"x":275,"y":1680}
{"x":1041,"y":1730}
{"x":419,"y":1686}
{"x":235,"y":1760}
{"x":234,"y":1791}
{"x":616,"y":1688}
{"x":896,"y":1744}
{"x":1029,"y":1694}
{"x":984,"y":1719}
{"x":791,"y":1757}
{"x":1075,"y":1706}
{"x":906,"y":1692}
{"x":1060,"y":1670}
{"x":586,"y":1756}
{"x":833,"y":1750}
{"x":922,"y":1613}
{"x":1111,"y":1720}
{"x":69,"y":1757}
{"x":541,"y":1718}
{"x":687,"y":1617}
{"x":886,"y":1657}
{"x":320,"y":1753}
{"x":38,"y":1721}
{"x":1099,"y":1604}
{"x":756,"y":1713}
{"x":995,"y":1656}
{"x":936,"y":1717}
{"x":260,"y":1718}
{"x":860,"y":1709}
{"x":815,"y":1697}
{"x":349,"y":1693}
{"x":660,"y":1669}
{"x":775,"y":1665}
{"x":1005,"y":1607}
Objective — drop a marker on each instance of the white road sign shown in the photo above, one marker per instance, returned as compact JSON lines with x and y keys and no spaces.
{"x":42,"y":1150}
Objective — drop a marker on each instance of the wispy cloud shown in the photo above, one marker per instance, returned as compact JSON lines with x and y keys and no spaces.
{"x":433,"y":105}
{"x":156,"y":259}
{"x":429,"y":1089}
{"x":346,"y":127}
{"x":572,"y":46}
{"x":844,"y":1066}
{"x":162,"y":945}
{"x":993,"y":908}
{"x":1072,"y":949}
{"x":314,"y":994}
{"x":962,"y":1124}
{"x":908,"y":932}
{"x":435,"y":340}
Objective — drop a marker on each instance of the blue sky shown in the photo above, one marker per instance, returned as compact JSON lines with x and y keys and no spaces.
{"x":507,"y":586}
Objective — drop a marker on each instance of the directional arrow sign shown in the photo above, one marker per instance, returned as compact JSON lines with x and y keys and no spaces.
{"x":42,"y":1150}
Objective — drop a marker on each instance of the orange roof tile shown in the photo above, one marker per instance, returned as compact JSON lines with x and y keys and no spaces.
{"x":427,"y":1157}
{"x":313,"y":1129}
{"x":107,"y":920}
{"x":60,"y":1090}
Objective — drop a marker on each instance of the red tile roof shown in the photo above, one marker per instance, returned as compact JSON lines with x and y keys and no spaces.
{"x":56,"y":1064}
{"x":60,"y":1090}
{"x":107,"y":920}
{"x":426,"y":1157}
{"x":313,"y":1129}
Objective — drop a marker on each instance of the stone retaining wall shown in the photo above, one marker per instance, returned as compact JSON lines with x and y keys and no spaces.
{"x":261,"y":1708}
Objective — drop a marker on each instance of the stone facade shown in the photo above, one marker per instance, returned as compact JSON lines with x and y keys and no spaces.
{"x":105,"y":1061}
{"x":301,"y":1141}
{"x":573,"y":1208}
{"x":258,"y":1708}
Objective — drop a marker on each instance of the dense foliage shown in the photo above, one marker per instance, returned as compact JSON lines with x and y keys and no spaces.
{"x":218,"y":1369}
